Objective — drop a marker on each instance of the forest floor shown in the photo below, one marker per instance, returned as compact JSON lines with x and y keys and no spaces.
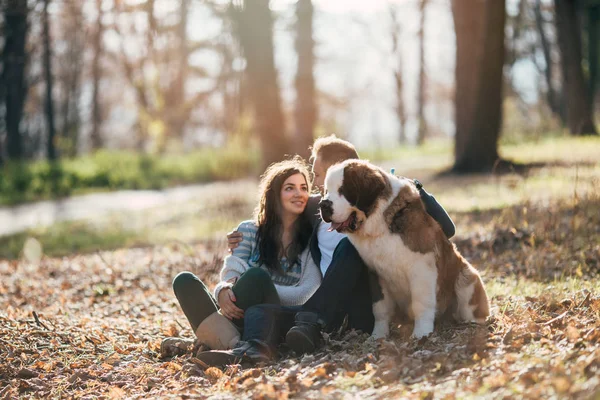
{"x":90,"y":325}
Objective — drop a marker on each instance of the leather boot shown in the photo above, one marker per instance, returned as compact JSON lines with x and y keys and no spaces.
{"x":305,"y":335}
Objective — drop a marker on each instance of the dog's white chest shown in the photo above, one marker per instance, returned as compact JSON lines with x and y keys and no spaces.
{"x":390,"y":258}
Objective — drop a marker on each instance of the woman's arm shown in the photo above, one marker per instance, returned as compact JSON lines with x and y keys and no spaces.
{"x":308,"y":285}
{"x":238,"y":262}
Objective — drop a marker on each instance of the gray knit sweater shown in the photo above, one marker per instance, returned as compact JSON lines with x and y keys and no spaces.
{"x":294,"y":289}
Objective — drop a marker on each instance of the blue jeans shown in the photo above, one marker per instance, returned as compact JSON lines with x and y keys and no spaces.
{"x":345,"y":290}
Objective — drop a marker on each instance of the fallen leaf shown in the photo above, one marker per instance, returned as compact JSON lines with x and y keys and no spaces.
{"x":572,"y":333}
{"x":213,"y":374}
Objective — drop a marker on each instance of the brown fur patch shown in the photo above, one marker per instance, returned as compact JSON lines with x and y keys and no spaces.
{"x":449,"y":265}
{"x":453,"y":267}
{"x":364,"y":185}
{"x":480,"y":300}
{"x":406,"y":216}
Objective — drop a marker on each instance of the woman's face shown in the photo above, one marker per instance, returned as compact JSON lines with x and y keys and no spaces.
{"x":294,"y":194}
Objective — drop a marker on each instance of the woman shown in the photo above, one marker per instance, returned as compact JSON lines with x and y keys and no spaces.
{"x":272,"y":265}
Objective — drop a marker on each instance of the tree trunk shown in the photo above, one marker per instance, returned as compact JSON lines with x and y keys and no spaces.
{"x":69,"y":67}
{"x":96,"y":136}
{"x":14,"y":61}
{"x":579,"y":111}
{"x":593,"y":17}
{"x":48,"y":75}
{"x":469,"y":27}
{"x":306,"y":110}
{"x":395,"y":31}
{"x":479,"y":79}
{"x":552,"y":97}
{"x":422,"y":124}
{"x":255,"y":32}
{"x":175,"y":109}
{"x":400,"y":108}
{"x":179,"y":118}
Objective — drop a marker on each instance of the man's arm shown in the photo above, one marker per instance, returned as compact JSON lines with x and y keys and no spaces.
{"x":436,"y":211}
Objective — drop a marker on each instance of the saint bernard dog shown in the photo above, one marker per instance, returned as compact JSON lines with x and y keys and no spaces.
{"x":419,"y":269}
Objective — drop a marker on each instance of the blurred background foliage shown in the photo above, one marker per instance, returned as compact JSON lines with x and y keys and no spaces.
{"x":102,"y":95}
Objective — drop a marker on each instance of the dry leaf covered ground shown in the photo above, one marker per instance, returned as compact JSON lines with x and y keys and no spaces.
{"x":90,"y":326}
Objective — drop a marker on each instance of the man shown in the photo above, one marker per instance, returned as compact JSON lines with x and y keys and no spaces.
{"x":347,"y":286}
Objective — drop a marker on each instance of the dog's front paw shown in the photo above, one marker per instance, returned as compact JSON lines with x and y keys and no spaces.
{"x":422,"y":329}
{"x":381,"y":330}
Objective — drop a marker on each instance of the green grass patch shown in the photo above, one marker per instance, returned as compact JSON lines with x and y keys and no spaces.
{"x":535,"y":149}
{"x":67,"y":238}
{"x":118,"y":170}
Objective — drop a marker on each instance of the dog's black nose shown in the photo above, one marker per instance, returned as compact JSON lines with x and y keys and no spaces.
{"x":326,"y":207}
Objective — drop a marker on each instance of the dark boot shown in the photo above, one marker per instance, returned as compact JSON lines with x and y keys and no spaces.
{"x":305,"y":335}
{"x":252,"y":352}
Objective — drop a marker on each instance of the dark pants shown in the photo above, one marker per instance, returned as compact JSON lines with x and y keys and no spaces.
{"x":345,"y":290}
{"x":253,"y":287}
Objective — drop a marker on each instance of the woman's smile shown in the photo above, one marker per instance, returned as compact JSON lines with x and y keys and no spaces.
{"x":294,"y":194}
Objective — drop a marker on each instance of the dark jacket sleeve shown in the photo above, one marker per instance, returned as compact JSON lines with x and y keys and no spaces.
{"x":312,"y":209}
{"x":438,"y":213}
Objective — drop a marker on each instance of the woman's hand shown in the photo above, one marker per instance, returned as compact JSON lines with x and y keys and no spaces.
{"x":227,"y":303}
{"x":234,"y":238}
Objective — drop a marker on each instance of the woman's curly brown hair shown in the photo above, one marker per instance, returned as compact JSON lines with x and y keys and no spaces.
{"x":268,"y":216}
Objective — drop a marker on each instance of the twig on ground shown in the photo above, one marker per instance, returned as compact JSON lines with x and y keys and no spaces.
{"x":199,"y":362}
{"x":553,"y":320}
{"x":179,"y":323}
{"x":103,"y":260}
{"x":37,"y":321}
{"x":585,"y":300}
{"x":96,"y":348}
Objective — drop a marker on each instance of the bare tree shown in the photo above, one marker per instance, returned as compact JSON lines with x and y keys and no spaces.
{"x":396,"y":30}
{"x":306,"y":109}
{"x":70,"y":63}
{"x":163,"y":109}
{"x":593,"y":15}
{"x":422,"y":123}
{"x":255,"y":33}
{"x":479,"y":63}
{"x":579,"y":111}
{"x":49,"y":106}
{"x":552,"y":95}
{"x":176,"y":93}
{"x":97,"y":43}
{"x":14,"y":60}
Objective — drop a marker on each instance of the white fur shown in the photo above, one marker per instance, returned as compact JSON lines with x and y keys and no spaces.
{"x":343,"y":209}
{"x":383,"y":311}
{"x":409,"y":277}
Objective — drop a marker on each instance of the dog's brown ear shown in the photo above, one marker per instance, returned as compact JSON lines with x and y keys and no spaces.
{"x":363,"y":185}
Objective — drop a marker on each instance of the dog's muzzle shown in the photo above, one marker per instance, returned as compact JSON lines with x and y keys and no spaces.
{"x":326,"y":207}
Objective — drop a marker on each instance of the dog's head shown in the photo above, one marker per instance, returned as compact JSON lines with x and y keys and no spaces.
{"x":353,"y":190}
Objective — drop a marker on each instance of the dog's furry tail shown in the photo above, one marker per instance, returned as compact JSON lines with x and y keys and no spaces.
{"x":473,"y":304}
